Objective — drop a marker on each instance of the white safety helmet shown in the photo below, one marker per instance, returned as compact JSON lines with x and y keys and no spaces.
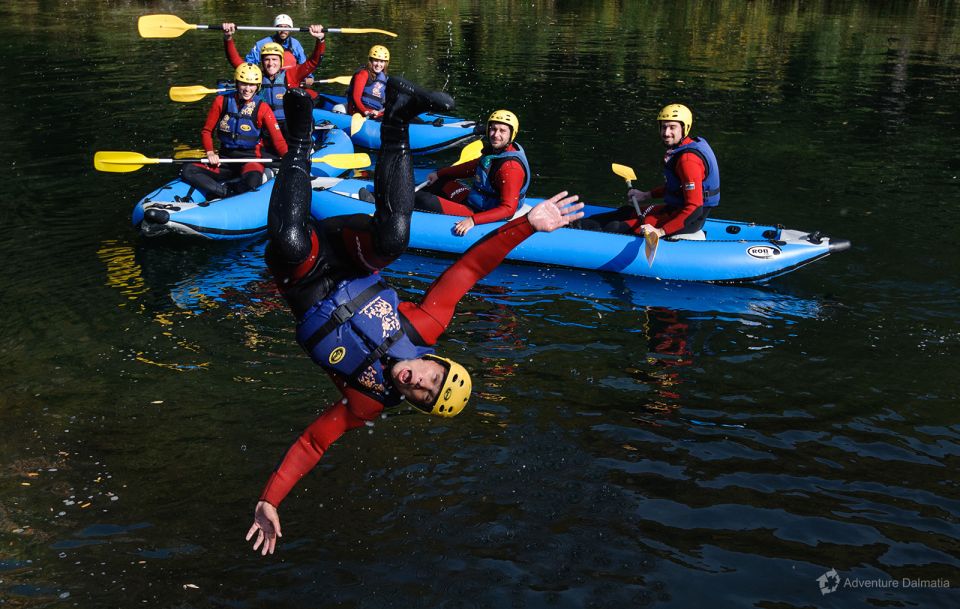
{"x":282,"y":19}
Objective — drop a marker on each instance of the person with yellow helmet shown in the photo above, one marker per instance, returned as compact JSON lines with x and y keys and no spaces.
{"x":377,"y":349}
{"x":690,"y":191}
{"x":501,"y":176}
{"x":293,"y":53}
{"x":276,"y":78}
{"x":367,"y":90}
{"x":242,"y":122}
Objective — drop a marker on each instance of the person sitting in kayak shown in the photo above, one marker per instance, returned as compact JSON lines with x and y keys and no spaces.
{"x":501,"y":177}
{"x":293,"y":53}
{"x":367,"y":90}
{"x":690,"y":191}
{"x":277,"y":79}
{"x":242,"y":122}
{"x":377,"y":349}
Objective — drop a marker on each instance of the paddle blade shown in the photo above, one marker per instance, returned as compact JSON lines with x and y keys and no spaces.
{"x":356,"y":122}
{"x":192,"y":93}
{"x":340,"y":80}
{"x":162,"y":26}
{"x":359,"y":30}
{"x":623,"y":171}
{"x":182,"y":152}
{"x":345,"y":161}
{"x":653,"y":242}
{"x":470,"y":152}
{"x":120,"y":162}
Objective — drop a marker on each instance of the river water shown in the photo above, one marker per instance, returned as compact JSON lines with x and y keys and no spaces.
{"x":631,"y":442}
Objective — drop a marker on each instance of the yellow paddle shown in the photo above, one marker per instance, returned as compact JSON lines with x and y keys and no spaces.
{"x":192,"y":93}
{"x":469,"y":152}
{"x":171,"y":26}
{"x":125,"y":162}
{"x":356,"y":122}
{"x":652,"y":239}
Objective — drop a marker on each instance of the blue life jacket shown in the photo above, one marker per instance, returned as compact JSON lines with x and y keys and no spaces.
{"x":483,"y":195}
{"x":356,"y":332}
{"x":673,"y":192}
{"x":237,"y":128}
{"x":290,"y":44}
{"x":272,"y":92}
{"x":374,"y":92}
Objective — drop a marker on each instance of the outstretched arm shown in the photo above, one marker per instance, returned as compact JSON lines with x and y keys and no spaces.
{"x":351,"y":412}
{"x":431,"y":317}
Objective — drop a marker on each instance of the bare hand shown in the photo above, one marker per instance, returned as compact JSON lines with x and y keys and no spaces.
{"x":229,"y":29}
{"x":433,"y":177}
{"x":556,"y":212}
{"x":308,"y":81}
{"x":317,"y":31}
{"x":266,"y":524}
{"x":463,"y":226}
{"x":213,"y":158}
{"x":638,"y":195}
{"x":646,"y":228}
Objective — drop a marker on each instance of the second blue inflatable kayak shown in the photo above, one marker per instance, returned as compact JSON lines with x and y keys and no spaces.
{"x":435,"y":132}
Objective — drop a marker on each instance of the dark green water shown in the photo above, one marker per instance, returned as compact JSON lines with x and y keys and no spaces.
{"x":631,"y":444}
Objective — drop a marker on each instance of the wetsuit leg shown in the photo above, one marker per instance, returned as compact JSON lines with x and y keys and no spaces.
{"x":209,"y":182}
{"x":611,"y":221}
{"x":289,"y":213}
{"x":393,"y":178}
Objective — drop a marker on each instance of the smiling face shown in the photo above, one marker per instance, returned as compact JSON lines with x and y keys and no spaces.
{"x":271,"y":64}
{"x":418,"y":380}
{"x":499,"y":135}
{"x":246,"y":90}
{"x":377,"y":65}
{"x":671,"y":133}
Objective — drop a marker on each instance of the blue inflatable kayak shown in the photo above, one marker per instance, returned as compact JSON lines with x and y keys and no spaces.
{"x":437,"y":131}
{"x":726,"y":252}
{"x":177,"y":208}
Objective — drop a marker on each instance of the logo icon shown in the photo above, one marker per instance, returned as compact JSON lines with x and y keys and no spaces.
{"x":829,"y":582}
{"x":763,"y":251}
{"x":447,"y":393}
{"x":245,"y":127}
{"x":336,"y":355}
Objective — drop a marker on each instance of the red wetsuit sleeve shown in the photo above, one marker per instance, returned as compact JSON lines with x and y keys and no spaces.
{"x":456,"y":172}
{"x":267,"y":121}
{"x":431,"y":317}
{"x":691,"y":171}
{"x":356,"y":93}
{"x":349,"y":413}
{"x":231,"y":50}
{"x":213,"y":116}
{"x":508,"y":181}
{"x":296,"y":74}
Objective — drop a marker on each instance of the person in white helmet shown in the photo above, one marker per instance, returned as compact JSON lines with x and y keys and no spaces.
{"x":293,"y":50}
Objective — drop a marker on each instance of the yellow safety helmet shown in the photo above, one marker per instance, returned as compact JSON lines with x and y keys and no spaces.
{"x":455,"y":392}
{"x":378,"y":51}
{"x":679,"y":113}
{"x":249,"y":73}
{"x":271,"y":48}
{"x":507,"y":118}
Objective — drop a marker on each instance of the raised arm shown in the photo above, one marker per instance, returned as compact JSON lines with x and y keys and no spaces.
{"x":433,"y":314}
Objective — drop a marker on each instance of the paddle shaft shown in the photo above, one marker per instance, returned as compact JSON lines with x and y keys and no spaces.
{"x":264,"y":28}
